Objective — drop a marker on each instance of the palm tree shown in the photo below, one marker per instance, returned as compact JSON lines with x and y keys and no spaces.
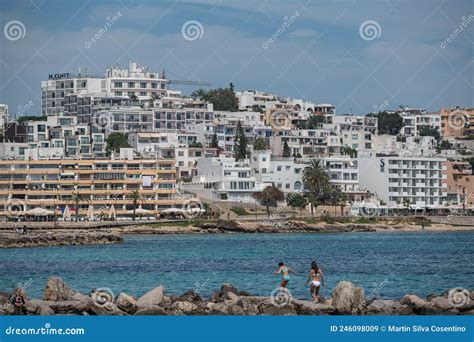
{"x":136,"y":199}
{"x":77,"y":198}
{"x":200,"y":93}
{"x":316,"y":180}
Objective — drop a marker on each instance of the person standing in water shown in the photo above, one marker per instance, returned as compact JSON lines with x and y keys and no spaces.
{"x":285,"y":273}
{"x":316,"y":278}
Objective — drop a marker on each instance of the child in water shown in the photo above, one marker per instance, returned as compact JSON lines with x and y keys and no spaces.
{"x":285,"y":273}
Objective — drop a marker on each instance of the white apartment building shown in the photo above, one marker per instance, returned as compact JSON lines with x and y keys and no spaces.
{"x":356,"y":132}
{"x":287,"y":173}
{"x":251,"y":100}
{"x":224,"y":179}
{"x":116,"y":82}
{"x":398,"y":179}
{"x":4,"y":116}
{"x":410,"y":146}
{"x":413,"y":122}
{"x":306,"y":142}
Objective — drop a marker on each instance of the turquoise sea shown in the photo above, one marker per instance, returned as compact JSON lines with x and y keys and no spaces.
{"x":387,"y":264}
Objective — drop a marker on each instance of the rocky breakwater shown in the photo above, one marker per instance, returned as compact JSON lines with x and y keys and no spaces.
{"x":60,"y":299}
{"x":58,"y":238}
{"x":275,"y":226}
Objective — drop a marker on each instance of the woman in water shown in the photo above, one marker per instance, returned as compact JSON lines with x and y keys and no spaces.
{"x":316,"y":278}
{"x":285,"y":273}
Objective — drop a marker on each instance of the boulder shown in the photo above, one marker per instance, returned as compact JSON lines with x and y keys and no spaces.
{"x":267,"y":308}
{"x":189,"y":296}
{"x":151,"y":310}
{"x":152,"y":297}
{"x":304,"y":307}
{"x":68,"y":306}
{"x":230,"y":297}
{"x":57,"y":290}
{"x":126,"y":303}
{"x":387,"y":307}
{"x":183,"y":307}
{"x":415,"y":302}
{"x":347,"y":298}
{"x":227,"y":288}
{"x":247,"y":307}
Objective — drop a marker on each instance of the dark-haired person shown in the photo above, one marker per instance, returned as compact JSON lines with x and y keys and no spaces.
{"x":316,"y":278}
{"x":285,"y":273}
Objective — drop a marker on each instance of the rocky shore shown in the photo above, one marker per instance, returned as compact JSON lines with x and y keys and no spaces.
{"x":9,"y":239}
{"x":346,"y":299}
{"x":75,"y":236}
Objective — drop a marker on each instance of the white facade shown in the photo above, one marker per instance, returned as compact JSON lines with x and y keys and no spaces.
{"x":224,"y":179}
{"x":117,"y":82}
{"x":397,"y":180}
{"x":413,"y":122}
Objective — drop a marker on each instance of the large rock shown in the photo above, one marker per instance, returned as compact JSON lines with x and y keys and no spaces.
{"x":304,"y":307}
{"x":183,"y":307}
{"x":413,"y":301}
{"x":387,"y":307}
{"x":39,"y":307}
{"x":152,"y":297}
{"x":347,"y":298}
{"x":225,"y":288}
{"x":151,"y":310}
{"x":189,"y":296}
{"x":57,"y":290}
{"x":126,"y":303}
{"x":247,"y":307}
{"x":267,"y":308}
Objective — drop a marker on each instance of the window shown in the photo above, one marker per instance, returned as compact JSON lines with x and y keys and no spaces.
{"x":297,"y":185}
{"x":279,"y":168}
{"x":287,"y":185}
{"x":118,"y":84}
{"x":131,"y":84}
{"x":143,"y":85}
{"x":118,"y":93}
{"x":154,"y":85}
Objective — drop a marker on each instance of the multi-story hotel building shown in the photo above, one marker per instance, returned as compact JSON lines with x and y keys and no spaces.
{"x":457,"y":122}
{"x":396,"y":179}
{"x":101,"y":183}
{"x":117,"y":82}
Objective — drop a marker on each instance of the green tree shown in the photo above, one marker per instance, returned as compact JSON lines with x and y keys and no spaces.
{"x":24,"y":118}
{"x":136,"y":198}
{"x":116,"y":141}
{"x":259,"y":144}
{"x":221,"y":98}
{"x":389,"y":123}
{"x":317,"y":182}
{"x":215,"y":141}
{"x":444,"y":145}
{"x":269,"y":197}
{"x":428,"y":131}
{"x":240,"y":143}
{"x":315,"y":120}
{"x":296,"y":200}
{"x":346,"y":150}
{"x":200,"y":93}
{"x":286,"y":150}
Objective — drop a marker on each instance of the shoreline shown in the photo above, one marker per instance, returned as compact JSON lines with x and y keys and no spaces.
{"x":60,"y":299}
{"x":75,"y":236}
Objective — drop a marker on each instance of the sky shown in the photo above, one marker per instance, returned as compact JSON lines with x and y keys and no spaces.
{"x":361,"y":56}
